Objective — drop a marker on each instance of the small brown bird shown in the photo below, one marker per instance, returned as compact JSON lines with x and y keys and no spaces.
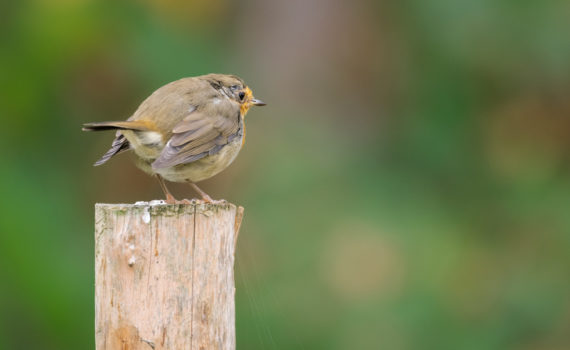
{"x":186,"y":131}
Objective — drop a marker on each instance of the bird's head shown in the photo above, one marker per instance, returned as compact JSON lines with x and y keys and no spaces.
{"x":234,"y":88}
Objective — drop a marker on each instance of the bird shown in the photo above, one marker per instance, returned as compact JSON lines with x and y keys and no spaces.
{"x":186,"y":131}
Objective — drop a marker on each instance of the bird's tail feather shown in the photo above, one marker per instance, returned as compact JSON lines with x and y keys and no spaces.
{"x":124,"y":125}
{"x":120,"y":144}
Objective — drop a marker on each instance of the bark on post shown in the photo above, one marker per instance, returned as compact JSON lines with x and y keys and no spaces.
{"x":164,"y":276}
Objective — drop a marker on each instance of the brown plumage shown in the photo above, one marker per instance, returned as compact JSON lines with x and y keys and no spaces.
{"x":186,"y":131}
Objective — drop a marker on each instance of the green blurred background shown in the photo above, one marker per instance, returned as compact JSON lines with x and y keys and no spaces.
{"x":407,"y":186}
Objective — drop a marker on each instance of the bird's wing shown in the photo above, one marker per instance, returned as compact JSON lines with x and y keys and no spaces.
{"x":197,"y":136}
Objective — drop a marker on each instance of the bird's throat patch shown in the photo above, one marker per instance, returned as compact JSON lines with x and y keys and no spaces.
{"x":244,"y":107}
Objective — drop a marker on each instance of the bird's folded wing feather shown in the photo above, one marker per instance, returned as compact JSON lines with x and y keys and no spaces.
{"x":195,"y":137}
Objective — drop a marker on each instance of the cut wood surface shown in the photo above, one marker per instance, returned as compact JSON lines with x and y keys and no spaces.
{"x":164,"y":276}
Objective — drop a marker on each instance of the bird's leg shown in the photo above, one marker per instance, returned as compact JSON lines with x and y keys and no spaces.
{"x":204,"y":195}
{"x":169,"y":197}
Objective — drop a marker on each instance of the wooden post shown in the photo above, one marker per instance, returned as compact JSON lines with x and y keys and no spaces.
{"x":164,"y":276}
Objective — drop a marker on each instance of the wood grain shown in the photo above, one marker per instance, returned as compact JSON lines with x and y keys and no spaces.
{"x":164,"y":276}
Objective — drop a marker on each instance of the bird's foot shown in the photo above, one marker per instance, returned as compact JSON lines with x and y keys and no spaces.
{"x":205,"y":199}
{"x":171,"y":200}
{"x":209,"y":200}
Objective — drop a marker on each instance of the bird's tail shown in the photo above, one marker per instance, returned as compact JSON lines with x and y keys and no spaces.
{"x":124,"y":125}
{"x":120,"y":143}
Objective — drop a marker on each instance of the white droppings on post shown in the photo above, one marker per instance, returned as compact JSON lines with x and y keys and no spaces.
{"x":151,"y":203}
{"x":146,"y":215}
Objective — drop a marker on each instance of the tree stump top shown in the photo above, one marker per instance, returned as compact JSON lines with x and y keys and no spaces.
{"x":164,"y":275}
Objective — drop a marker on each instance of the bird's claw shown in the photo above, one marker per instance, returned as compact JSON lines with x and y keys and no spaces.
{"x":206,"y":199}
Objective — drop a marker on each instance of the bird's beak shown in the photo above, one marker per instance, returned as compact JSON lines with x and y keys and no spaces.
{"x":257,"y":102}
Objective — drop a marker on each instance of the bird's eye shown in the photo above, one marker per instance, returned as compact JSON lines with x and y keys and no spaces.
{"x":241,"y":96}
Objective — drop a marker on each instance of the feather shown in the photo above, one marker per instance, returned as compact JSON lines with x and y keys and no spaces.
{"x":120,"y":144}
{"x":196,"y":137}
{"x":124,"y":125}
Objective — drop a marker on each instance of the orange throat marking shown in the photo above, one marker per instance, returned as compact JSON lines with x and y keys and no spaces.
{"x":243,"y":137}
{"x":244,"y":107}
